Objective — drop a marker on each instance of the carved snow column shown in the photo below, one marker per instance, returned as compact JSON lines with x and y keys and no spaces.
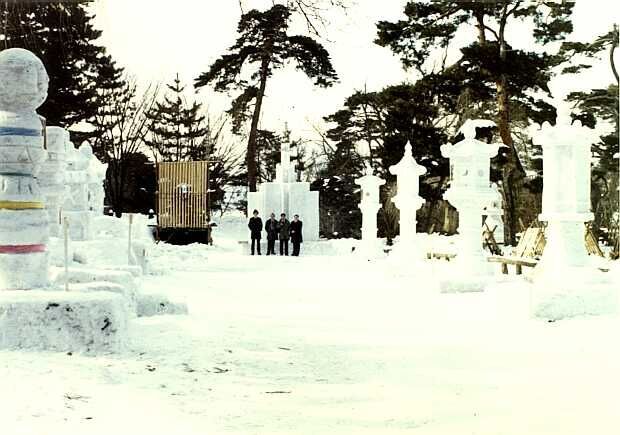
{"x":470,"y":187}
{"x":23,"y":219}
{"x":96,"y":178}
{"x":76,"y":201}
{"x":407,"y":199}
{"x":52,"y":177}
{"x":369,"y":205}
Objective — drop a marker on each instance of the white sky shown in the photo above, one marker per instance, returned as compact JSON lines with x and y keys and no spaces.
{"x":155,"y":39}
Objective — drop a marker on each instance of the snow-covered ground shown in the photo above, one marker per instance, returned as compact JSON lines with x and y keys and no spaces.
{"x":322,"y":344}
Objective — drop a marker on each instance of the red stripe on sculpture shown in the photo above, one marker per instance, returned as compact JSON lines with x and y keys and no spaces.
{"x":21,"y":249}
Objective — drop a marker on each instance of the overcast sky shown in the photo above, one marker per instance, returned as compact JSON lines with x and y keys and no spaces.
{"x":155,"y":39}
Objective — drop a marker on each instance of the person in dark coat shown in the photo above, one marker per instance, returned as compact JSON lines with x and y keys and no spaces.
{"x":297,"y":237}
{"x":272,"y":229}
{"x":284,"y":234}
{"x":256,"y":227}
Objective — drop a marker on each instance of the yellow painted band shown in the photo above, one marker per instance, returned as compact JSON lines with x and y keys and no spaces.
{"x":19,"y":205}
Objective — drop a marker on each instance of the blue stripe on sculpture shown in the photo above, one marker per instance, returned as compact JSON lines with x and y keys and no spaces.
{"x":15,"y":131}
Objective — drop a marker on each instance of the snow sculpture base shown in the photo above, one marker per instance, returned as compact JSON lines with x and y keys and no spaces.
{"x":35,"y":264}
{"x":468,"y":277}
{"x":579,"y":292}
{"x":63,"y":321}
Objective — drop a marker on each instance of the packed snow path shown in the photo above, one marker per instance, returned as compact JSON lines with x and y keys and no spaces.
{"x":324,"y":345}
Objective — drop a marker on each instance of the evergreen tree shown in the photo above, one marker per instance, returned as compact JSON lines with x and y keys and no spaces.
{"x":178,"y":131}
{"x":263,"y":42}
{"x":508,"y":74}
{"x":62,"y":35}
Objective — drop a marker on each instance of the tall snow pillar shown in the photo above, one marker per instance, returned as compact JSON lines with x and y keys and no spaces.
{"x":23,"y":219}
{"x":51,"y":177}
{"x":407,"y":199}
{"x":369,"y":205}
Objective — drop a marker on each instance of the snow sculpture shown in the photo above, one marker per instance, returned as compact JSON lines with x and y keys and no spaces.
{"x":23,"y":219}
{"x":494,"y":212}
{"x":407,"y":199}
{"x":470,"y":192}
{"x":566,"y":283}
{"x":285,"y":195}
{"x":369,"y":205}
{"x":96,"y":178}
{"x":76,"y":201}
{"x":52,"y":177}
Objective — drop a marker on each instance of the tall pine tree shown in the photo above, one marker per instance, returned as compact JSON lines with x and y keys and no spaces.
{"x":178,"y":131}
{"x":263,"y":42}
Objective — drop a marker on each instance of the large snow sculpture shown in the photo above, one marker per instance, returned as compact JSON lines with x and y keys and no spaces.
{"x":470,"y":191}
{"x":23,"y":219}
{"x":76,"y":207}
{"x":566,"y":281}
{"x":51,"y":177}
{"x":369,"y":205}
{"x":407,"y":198}
{"x":285,"y":195}
{"x":96,"y":178}
{"x":33,"y":315}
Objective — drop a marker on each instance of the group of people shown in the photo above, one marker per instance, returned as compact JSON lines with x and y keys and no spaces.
{"x":282,"y":230}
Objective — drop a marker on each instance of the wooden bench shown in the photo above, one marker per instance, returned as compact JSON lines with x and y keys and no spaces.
{"x":530,"y":247}
{"x":516,"y":261}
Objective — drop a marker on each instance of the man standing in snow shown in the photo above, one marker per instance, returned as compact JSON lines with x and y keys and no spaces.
{"x":271,"y":227}
{"x":256,"y":227}
{"x":284,"y":234}
{"x":296,"y":234}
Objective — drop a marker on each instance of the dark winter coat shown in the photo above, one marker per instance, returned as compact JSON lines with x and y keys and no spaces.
{"x":296,"y":229}
{"x":256,"y":227}
{"x":285,"y":229}
{"x":272,"y":229}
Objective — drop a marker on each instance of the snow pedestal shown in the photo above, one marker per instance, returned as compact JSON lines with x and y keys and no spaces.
{"x":23,"y":219}
{"x":63,"y":321}
{"x":469,"y":193}
{"x":284,"y":195}
{"x":408,"y":201}
{"x":370,"y":204}
{"x":76,"y":208}
{"x":566,"y":282}
{"x":51,"y":177}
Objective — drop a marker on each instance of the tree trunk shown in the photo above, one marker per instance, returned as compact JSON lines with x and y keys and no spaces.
{"x":251,"y":155}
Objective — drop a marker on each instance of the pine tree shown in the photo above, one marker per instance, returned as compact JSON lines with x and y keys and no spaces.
{"x":263,"y":42}
{"x":62,"y":35}
{"x":508,"y":74}
{"x":178,"y":131}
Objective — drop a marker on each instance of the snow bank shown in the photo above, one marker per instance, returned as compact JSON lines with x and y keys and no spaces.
{"x":63,"y":321}
{"x":154,"y":304}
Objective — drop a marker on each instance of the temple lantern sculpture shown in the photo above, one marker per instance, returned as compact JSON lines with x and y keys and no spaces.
{"x":76,"y":207}
{"x":567,"y":281}
{"x":407,"y":199}
{"x":369,"y":205}
{"x":470,"y":192}
{"x":23,"y":219}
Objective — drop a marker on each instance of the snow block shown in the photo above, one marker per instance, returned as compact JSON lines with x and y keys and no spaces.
{"x":35,"y":264}
{"x":63,"y":321}
{"x":129,"y":294}
{"x":574,"y":300}
{"x":78,"y":275}
{"x":154,"y":304}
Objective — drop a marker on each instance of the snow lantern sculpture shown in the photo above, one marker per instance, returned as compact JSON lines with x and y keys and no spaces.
{"x":369,"y":205}
{"x":96,"y":178}
{"x":407,"y":199}
{"x":76,"y":207}
{"x":567,"y":157}
{"x":470,"y":187}
{"x":52,"y":176}
{"x":23,"y":219}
